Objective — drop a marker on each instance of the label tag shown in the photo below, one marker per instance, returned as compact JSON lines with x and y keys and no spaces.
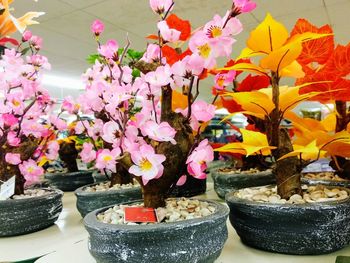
{"x":81,"y":165}
{"x":7,"y":189}
{"x":140,"y":215}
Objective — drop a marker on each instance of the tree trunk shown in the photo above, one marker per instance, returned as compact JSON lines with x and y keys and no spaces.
{"x":287,"y":171}
{"x":26,"y":150}
{"x":341,"y":164}
{"x":121,"y":176}
{"x":68,"y":154}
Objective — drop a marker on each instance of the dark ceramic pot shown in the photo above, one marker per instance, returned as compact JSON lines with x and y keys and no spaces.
{"x":90,"y":201}
{"x":69,"y":181}
{"x":192,"y":187}
{"x":345,"y":183}
{"x":196,"y":240}
{"x":99,"y":177}
{"x":225,"y":182}
{"x":23,"y":216}
{"x":303,"y":229}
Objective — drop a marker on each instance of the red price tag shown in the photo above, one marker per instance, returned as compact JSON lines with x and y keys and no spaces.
{"x":140,"y":215}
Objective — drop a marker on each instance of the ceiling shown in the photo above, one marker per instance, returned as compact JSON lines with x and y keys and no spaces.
{"x":68,"y":41}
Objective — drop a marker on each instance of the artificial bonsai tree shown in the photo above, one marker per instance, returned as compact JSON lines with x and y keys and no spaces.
{"x":279,"y":53}
{"x":160,"y":144}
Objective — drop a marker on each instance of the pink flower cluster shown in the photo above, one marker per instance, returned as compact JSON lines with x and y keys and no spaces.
{"x":113,"y":93}
{"x":24,"y":105}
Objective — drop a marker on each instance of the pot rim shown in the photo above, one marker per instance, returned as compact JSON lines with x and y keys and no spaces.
{"x":54,"y":192}
{"x":230,"y":198}
{"x":90,"y":220}
{"x":80,"y":191}
{"x":219,"y":173}
{"x":68,"y":174}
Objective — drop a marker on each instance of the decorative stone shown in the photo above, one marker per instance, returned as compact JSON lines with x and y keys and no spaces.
{"x":69,"y":181}
{"x":88,"y":201}
{"x":311,"y":228}
{"x":30,"y":214}
{"x":225,"y":182}
{"x":193,"y":240}
{"x":324,"y":178}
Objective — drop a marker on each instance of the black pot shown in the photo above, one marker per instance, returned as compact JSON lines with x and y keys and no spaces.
{"x":90,"y":201}
{"x":69,"y":181}
{"x":189,"y":241}
{"x":345,"y":183}
{"x":225,"y":182}
{"x":99,"y":177}
{"x":23,"y":216}
{"x":192,"y":187}
{"x":303,"y":229}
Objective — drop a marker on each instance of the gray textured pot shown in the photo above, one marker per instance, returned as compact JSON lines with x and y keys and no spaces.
{"x":69,"y":181}
{"x":191,"y":241}
{"x":90,"y":201}
{"x":304,"y":229}
{"x":226,"y":182}
{"x":23,"y":216}
{"x":326,"y":182}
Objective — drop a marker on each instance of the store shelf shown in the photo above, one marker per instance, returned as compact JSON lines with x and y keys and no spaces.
{"x":66,"y":241}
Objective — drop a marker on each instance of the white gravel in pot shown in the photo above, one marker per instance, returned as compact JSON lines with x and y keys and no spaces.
{"x":28,"y":193}
{"x":175,"y":210}
{"x":105,"y":186}
{"x":231,"y":170}
{"x":311,"y":194}
{"x":323,"y":176}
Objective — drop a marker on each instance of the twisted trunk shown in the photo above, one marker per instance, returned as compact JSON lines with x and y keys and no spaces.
{"x":340,"y":164}
{"x":68,"y":154}
{"x":287,"y":171}
{"x":26,"y":150}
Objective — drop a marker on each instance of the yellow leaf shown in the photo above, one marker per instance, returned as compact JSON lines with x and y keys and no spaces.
{"x":179,"y":101}
{"x":254,"y":102}
{"x":329,"y":123}
{"x":43,"y":161}
{"x":248,"y":53}
{"x":255,"y":142}
{"x":235,"y":147}
{"x":282,"y":57}
{"x":294,"y":70}
{"x":337,"y":144}
{"x":270,"y":35}
{"x":309,"y":151}
{"x":245,"y":67}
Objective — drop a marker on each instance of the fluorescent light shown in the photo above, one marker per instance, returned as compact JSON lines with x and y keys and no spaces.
{"x":63,"y":82}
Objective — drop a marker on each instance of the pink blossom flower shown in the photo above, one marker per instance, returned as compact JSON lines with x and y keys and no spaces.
{"x":160,"y":77}
{"x":88,"y":154}
{"x":110,"y":132}
{"x":160,"y":6}
{"x":36,"y":42}
{"x":106,"y":159}
{"x":224,"y":79}
{"x":109,"y":50}
{"x":58,"y":123}
{"x":198,"y":159}
{"x":147,"y":163}
{"x":9,"y":119}
{"x":182,"y":180}
{"x":162,"y":132}
{"x":12,"y":139}
{"x":168,"y":34}
{"x":70,"y":106}
{"x":39,"y":61}
{"x":97,"y":27}
{"x":243,"y":6}
{"x":152,"y":53}
{"x":31,"y":171}
{"x":52,"y":150}
{"x":200,"y":46}
{"x":26,"y":35}
{"x":13,"y":158}
{"x":34,"y":128}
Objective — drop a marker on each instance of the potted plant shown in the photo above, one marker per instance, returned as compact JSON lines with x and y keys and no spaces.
{"x":69,"y":177}
{"x":248,"y":168}
{"x":160,"y":146}
{"x":23,"y":134}
{"x":288,"y":218}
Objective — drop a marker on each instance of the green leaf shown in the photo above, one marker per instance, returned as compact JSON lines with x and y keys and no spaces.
{"x":25,"y":50}
{"x":136,"y":55}
{"x":136,"y":73}
{"x":92,"y":58}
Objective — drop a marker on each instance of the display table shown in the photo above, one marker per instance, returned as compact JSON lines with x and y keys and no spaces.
{"x":66,"y":241}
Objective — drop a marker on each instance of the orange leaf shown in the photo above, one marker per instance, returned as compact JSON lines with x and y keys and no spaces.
{"x":183,"y":26}
{"x":318,"y":50}
{"x":172,"y":55}
{"x":254,"y":83}
{"x":231,"y":105}
{"x":179,"y":100}
{"x":153,"y":37}
{"x":339,"y":62}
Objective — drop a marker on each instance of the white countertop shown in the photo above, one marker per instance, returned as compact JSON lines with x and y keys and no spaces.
{"x":66,"y":241}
